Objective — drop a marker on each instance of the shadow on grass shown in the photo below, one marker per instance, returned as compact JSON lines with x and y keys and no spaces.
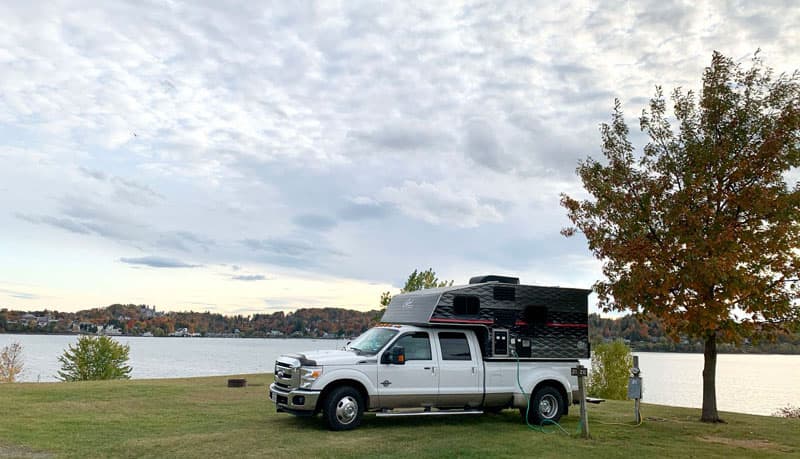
{"x":373,"y":422}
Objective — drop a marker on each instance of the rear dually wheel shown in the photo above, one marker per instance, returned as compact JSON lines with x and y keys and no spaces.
{"x":547,"y":405}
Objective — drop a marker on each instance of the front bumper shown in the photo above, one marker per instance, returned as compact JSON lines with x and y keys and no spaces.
{"x":296,"y":401}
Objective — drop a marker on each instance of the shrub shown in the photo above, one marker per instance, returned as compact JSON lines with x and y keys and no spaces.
{"x":611,"y":364}
{"x":93,"y":358}
{"x":11,"y":363}
{"x":788,"y":411}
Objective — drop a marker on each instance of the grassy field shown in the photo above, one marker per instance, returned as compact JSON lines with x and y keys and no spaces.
{"x":201,"y":417}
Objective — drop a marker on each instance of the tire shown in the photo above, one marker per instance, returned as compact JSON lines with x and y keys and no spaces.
{"x":547,"y":405}
{"x":343,"y":408}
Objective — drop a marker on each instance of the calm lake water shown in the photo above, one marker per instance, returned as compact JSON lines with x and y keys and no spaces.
{"x":756,"y":384}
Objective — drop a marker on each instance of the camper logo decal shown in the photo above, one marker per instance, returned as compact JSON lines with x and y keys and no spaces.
{"x":409,"y":303}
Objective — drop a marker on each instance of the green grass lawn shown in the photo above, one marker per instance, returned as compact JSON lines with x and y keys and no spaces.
{"x":201,"y":417}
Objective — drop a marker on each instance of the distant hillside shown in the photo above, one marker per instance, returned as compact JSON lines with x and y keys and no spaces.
{"x":138,"y":320}
{"x":649,"y":335}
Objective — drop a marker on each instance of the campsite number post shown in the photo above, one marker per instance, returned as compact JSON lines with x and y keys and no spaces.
{"x":581,"y":371}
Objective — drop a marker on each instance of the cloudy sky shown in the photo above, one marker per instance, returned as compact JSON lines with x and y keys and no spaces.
{"x":255,"y":157}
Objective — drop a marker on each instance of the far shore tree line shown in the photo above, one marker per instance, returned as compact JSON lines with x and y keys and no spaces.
{"x":640,"y":333}
{"x":138,"y":320}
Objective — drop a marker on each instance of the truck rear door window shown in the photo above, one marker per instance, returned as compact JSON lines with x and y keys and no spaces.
{"x":417,"y":346}
{"x":454,"y":346}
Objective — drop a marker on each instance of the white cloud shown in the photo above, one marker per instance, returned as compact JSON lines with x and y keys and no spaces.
{"x":441,"y":205}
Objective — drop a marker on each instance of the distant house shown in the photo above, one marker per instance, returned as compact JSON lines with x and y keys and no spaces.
{"x":109,"y":330}
{"x":44,"y":321}
{"x":180,"y":332}
{"x":86,"y":327}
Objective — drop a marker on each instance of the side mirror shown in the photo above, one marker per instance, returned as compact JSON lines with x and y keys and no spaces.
{"x":395,"y":356}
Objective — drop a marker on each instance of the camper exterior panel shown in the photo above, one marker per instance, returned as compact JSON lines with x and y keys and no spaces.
{"x":542,"y":322}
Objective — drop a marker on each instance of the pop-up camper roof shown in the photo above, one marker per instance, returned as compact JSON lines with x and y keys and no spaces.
{"x":552,"y":320}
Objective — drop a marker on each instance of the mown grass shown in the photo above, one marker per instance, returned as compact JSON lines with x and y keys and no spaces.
{"x":201,"y":417}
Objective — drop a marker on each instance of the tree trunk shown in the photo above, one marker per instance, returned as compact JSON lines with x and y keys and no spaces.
{"x":710,"y":413}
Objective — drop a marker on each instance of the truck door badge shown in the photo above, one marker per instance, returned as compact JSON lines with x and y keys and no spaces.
{"x":386,"y":383}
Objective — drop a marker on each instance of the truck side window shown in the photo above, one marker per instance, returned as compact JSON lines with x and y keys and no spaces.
{"x":417,"y":346}
{"x":454,"y":346}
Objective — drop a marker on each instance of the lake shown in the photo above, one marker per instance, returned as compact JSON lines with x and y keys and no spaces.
{"x":746,"y":383}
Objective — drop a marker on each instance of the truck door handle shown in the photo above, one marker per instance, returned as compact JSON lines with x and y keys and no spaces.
{"x":473,"y":370}
{"x":432,"y":369}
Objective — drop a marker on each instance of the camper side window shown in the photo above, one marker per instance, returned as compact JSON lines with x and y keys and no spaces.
{"x":466,"y":305}
{"x":454,"y":346}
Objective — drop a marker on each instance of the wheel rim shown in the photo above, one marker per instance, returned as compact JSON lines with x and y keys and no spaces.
{"x":548,"y":406}
{"x":346,"y":410}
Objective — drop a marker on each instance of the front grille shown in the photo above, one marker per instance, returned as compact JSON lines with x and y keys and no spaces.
{"x":286,"y":376}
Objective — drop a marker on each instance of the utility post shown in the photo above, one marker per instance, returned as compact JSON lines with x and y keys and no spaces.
{"x":581,"y":371}
{"x":635,"y":388}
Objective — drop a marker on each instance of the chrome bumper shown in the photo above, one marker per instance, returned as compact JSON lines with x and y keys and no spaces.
{"x":292,"y":401}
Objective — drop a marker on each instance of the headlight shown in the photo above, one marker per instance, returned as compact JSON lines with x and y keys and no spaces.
{"x":308,"y":375}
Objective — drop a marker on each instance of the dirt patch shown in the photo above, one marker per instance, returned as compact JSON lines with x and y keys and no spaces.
{"x":22,"y":452}
{"x":755,"y":443}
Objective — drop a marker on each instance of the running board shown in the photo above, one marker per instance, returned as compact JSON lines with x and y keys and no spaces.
{"x":427,"y":413}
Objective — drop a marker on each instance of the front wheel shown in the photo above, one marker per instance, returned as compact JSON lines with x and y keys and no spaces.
{"x":547,"y":405}
{"x":343,"y":408}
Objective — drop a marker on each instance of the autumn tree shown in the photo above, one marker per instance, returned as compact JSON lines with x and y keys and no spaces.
{"x":417,"y":280}
{"x":701,"y":229}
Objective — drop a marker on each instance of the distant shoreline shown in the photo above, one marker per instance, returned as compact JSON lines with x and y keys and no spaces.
{"x":682,"y":349}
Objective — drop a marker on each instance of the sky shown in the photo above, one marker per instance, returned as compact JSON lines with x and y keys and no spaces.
{"x":251,"y":157}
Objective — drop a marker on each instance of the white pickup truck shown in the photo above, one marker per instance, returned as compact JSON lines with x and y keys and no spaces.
{"x":392,"y":369}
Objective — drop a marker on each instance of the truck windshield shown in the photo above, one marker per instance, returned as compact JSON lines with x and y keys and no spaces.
{"x":372,"y":341}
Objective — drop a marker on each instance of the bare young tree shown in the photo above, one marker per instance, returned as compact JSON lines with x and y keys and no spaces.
{"x":11,"y":363}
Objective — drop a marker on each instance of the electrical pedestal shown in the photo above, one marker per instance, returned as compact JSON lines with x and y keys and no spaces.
{"x":635,"y":389}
